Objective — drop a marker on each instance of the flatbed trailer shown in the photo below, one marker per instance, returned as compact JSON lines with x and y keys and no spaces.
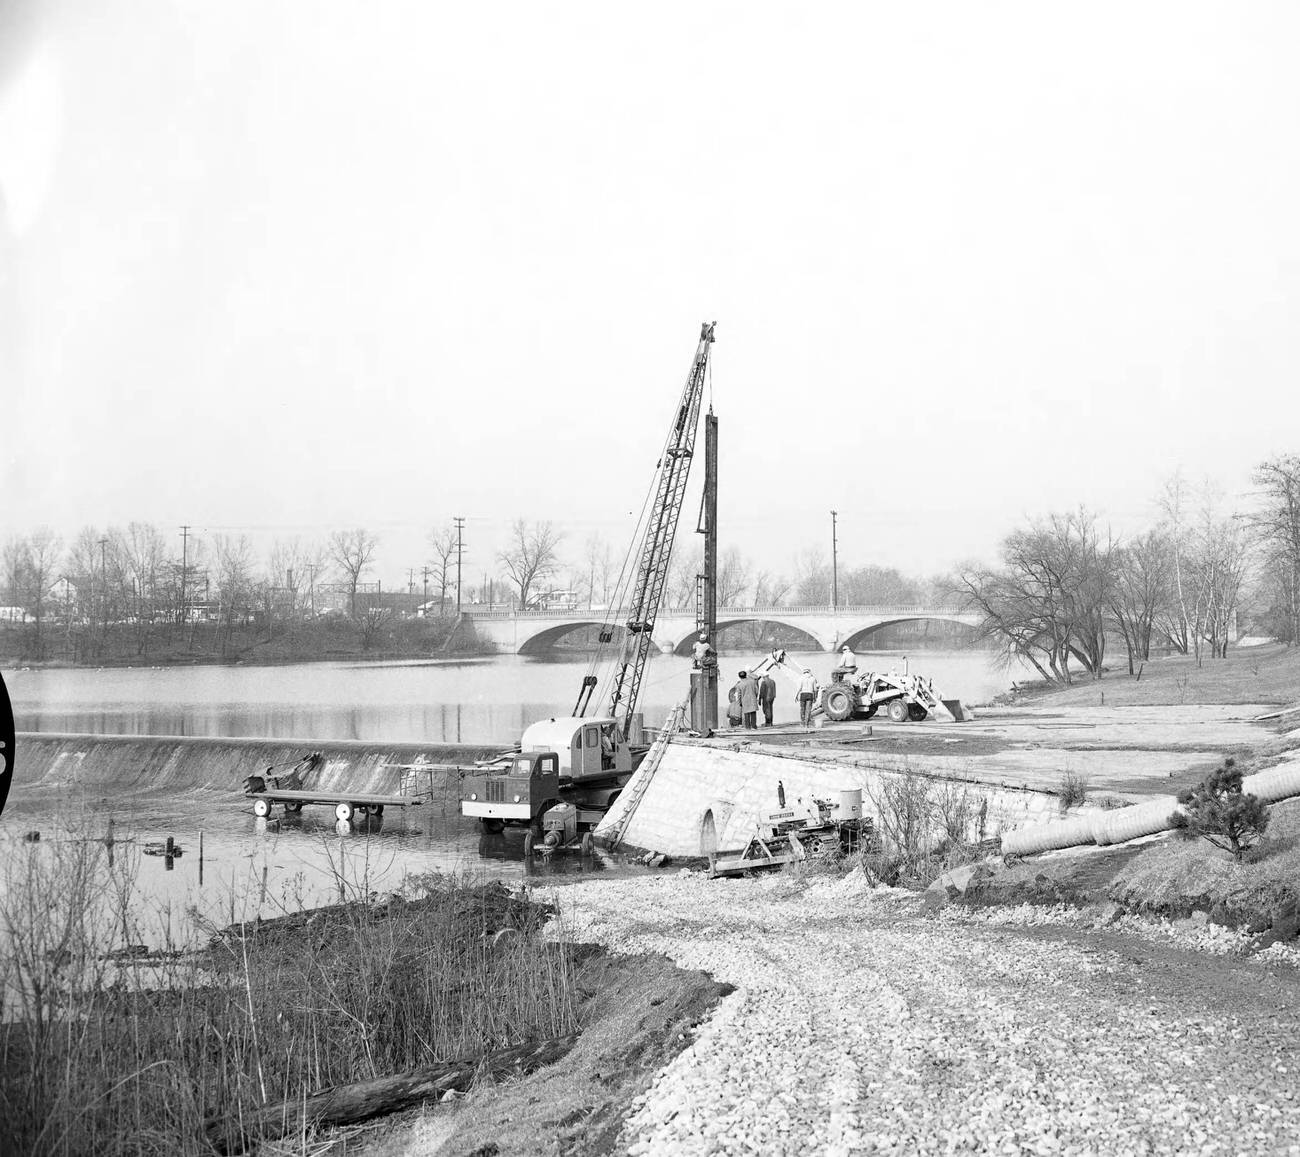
{"x":347,"y":805}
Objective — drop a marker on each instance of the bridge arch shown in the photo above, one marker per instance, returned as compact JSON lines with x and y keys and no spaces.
{"x":861,"y":639}
{"x":683,"y":645}
{"x":545,"y":639}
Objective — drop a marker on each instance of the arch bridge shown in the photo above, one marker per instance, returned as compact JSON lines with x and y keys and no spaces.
{"x":826,"y":628}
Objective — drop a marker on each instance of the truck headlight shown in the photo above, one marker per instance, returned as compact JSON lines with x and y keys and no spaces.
{"x":473,"y":795}
{"x":518,"y":798}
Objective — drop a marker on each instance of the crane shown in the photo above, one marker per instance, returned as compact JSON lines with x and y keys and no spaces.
{"x":567,"y":771}
{"x":672,"y":473}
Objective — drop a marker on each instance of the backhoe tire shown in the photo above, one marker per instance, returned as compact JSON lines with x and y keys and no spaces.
{"x":898,"y":711}
{"x":839,"y":702}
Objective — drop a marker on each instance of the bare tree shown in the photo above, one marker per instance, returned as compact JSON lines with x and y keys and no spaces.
{"x":770,"y":589}
{"x":877,"y":586}
{"x":1176,"y":620}
{"x":233,"y":571}
{"x":442,"y":543}
{"x":733,"y":577}
{"x":1048,"y":602}
{"x":602,"y":571}
{"x":533,"y":555}
{"x":1141,"y":588}
{"x":140,"y":552}
{"x":1276,"y":524}
{"x":351,"y":551}
{"x":684,"y":569}
{"x":1218,"y":570}
{"x":812,"y":579}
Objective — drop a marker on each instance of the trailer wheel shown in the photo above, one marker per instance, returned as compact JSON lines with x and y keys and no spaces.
{"x":261,"y":808}
{"x":360,"y":811}
{"x":898,"y":711}
{"x":493,"y":827}
{"x":377,"y":810}
{"x":293,"y":806}
{"x":343,"y":812}
{"x":838,"y":702}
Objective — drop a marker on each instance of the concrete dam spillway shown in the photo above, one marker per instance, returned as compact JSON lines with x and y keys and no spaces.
{"x":125,"y":766}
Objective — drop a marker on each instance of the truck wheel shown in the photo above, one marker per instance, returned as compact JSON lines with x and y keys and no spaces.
{"x":838,"y":702}
{"x":898,"y":711}
{"x":343,"y":812}
{"x":262,"y":808}
{"x":528,"y":844}
{"x":493,"y":827}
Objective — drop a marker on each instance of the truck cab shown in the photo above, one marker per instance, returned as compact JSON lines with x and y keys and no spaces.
{"x":511,"y":794}
{"x":587,"y":748}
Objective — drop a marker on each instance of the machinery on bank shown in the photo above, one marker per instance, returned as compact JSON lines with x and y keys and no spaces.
{"x":803,"y":831}
{"x":850,"y":694}
{"x":568,"y":770}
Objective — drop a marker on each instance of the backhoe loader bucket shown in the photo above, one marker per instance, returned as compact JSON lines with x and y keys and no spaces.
{"x":959,"y":711}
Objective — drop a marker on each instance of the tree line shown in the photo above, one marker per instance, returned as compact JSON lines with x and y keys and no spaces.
{"x":1065,"y":584}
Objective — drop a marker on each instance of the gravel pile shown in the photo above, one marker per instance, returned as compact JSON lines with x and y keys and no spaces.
{"x":859,"y":1024}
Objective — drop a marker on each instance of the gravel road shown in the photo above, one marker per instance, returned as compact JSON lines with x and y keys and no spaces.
{"x":860,"y":1023}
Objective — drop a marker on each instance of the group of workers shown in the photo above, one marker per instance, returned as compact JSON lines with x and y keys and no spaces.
{"x":750,"y":694}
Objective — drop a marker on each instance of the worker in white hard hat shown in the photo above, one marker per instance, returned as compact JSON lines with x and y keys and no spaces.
{"x":702,"y":652}
{"x":848,"y":665}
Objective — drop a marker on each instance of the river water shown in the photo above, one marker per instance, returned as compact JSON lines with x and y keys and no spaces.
{"x":254,"y":866}
{"x":481,"y":700}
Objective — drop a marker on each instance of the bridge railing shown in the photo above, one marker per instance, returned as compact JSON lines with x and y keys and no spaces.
{"x":597,"y":613}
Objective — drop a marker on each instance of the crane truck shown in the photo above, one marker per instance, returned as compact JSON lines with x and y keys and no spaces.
{"x":568,"y":770}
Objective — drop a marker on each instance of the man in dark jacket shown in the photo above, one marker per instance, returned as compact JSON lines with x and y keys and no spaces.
{"x":747,"y":695}
{"x":767,"y":696}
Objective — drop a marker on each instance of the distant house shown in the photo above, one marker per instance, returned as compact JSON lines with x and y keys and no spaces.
{"x":15,"y":615}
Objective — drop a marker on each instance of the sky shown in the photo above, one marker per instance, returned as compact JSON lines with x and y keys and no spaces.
{"x":280,"y":268}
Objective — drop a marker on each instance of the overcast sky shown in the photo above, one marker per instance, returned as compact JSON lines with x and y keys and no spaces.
{"x":285,"y":267}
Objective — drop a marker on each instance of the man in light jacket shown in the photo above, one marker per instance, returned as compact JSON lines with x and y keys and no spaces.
{"x":806,"y":693}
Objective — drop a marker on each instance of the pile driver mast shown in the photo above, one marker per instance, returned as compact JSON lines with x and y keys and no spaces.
{"x":673,"y":468}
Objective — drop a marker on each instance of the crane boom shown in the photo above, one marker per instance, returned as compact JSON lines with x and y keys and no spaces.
{"x":657,"y":544}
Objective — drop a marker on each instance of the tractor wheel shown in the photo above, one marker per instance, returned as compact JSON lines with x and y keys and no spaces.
{"x":838,"y":702}
{"x":261,"y":808}
{"x":343,"y":812}
{"x":493,"y":827}
{"x":293,"y":806}
{"x":898,"y":711}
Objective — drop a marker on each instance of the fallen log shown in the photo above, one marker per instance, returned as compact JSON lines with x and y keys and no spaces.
{"x":362,"y":1100}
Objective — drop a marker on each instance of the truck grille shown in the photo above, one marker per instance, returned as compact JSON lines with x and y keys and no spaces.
{"x":494,"y":791}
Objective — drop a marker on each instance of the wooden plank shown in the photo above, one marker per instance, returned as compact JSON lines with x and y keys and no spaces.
{"x":345,"y":1104}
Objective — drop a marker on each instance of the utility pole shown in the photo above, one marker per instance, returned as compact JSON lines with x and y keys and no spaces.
{"x":185,"y":558}
{"x":835,"y":565}
{"x":103,"y":582}
{"x":704,"y":680}
{"x":460,"y":551}
{"x":424,"y":602}
{"x":311,"y":586}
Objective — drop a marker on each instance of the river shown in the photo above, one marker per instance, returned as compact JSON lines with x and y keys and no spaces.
{"x":255,"y":866}
{"x":480,"y":700}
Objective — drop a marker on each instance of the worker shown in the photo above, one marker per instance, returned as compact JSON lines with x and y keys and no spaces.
{"x":806,"y":693}
{"x":848,"y":664}
{"x":767,"y":696}
{"x":702,"y":652}
{"x":733,"y":706}
{"x":747,"y":698}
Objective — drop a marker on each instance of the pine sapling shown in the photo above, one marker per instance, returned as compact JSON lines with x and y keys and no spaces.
{"x":1219,"y":811}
